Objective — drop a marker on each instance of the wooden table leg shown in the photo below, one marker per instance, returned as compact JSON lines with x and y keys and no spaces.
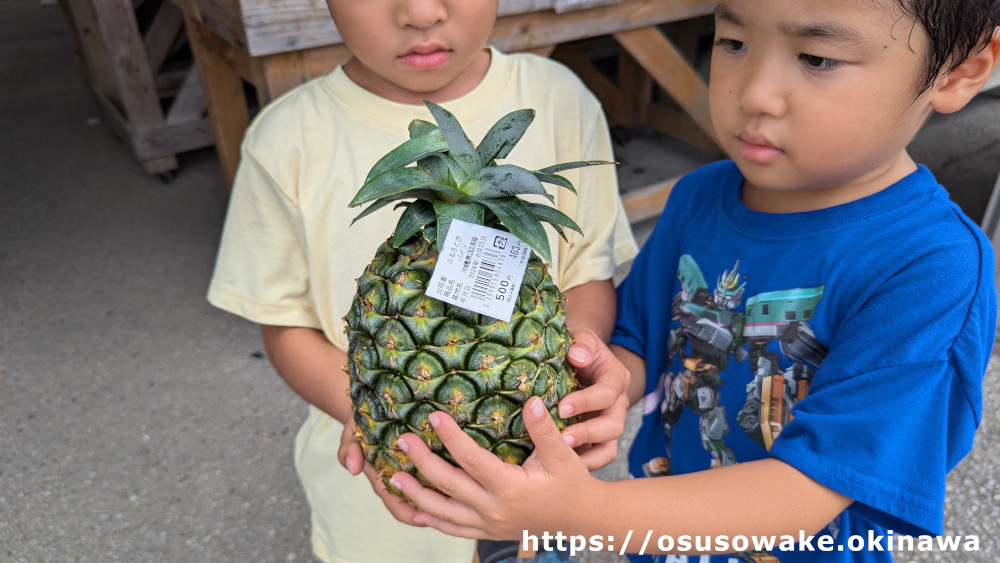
{"x":225,"y":99}
{"x":661,"y":59}
{"x":276,"y":74}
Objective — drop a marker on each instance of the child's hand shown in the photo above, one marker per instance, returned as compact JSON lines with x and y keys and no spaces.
{"x":601,"y":404}
{"x":491,"y":498}
{"x":350,"y":454}
{"x":353,"y":459}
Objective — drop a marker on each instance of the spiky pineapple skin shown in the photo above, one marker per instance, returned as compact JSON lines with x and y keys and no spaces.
{"x":410,"y":354}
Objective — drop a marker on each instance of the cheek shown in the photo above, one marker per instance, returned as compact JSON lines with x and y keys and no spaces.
{"x":723,"y":107}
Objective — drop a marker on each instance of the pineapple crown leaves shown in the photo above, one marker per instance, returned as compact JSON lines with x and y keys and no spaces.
{"x":445,"y":177}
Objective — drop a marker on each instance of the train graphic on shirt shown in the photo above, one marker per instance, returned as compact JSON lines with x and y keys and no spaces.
{"x":711,"y":333}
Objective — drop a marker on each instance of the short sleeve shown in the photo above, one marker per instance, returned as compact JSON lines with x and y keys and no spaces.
{"x":607,"y":239}
{"x":895,"y":405}
{"x":261,"y":272}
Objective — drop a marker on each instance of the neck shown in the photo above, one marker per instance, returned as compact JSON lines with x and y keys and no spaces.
{"x":804,"y":199}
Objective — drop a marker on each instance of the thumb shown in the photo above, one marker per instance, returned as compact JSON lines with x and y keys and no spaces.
{"x":549,"y":443}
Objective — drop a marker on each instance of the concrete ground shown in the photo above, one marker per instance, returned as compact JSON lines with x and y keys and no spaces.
{"x":137,"y":423}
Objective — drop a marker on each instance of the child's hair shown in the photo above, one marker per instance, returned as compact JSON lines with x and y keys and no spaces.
{"x":957,"y":30}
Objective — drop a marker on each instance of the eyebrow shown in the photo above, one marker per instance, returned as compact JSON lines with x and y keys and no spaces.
{"x":722,"y":12}
{"x":824,"y":31}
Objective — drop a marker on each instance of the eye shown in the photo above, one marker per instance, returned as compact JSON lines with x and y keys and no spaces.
{"x":818,"y":63}
{"x":731,"y":45}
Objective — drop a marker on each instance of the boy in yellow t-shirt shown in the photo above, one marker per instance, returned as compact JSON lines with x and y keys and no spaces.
{"x":289,"y":256}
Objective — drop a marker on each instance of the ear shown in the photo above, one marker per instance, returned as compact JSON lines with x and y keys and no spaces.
{"x":953,"y":90}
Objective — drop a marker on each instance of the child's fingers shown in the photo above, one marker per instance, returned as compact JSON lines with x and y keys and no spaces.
{"x":480,"y":465}
{"x":450,"y":528}
{"x":597,"y":430}
{"x":349,"y":454}
{"x":604,"y":378}
{"x":550,"y":446}
{"x":597,"y":396}
{"x":596,"y":457}
{"x":431,"y":502}
{"x":398,"y":507}
{"x":584,"y":348}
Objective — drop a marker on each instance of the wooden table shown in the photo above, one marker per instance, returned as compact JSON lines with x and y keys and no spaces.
{"x":277,"y":44}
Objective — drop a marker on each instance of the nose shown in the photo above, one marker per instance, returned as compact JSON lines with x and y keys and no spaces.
{"x":421,"y":14}
{"x":764,"y":89}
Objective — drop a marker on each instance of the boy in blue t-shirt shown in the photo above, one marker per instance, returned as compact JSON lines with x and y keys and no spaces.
{"x":808,"y":325}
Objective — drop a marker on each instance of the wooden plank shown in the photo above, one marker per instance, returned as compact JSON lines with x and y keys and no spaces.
{"x":98,"y":67}
{"x":277,"y":74}
{"x":153,"y":162}
{"x":602,"y":87}
{"x":663,"y":61}
{"x":136,"y":87}
{"x":169,"y":82}
{"x":636,"y":87}
{"x":180,"y":137}
{"x":545,"y":51}
{"x":526,"y":31}
{"x":298,"y":25}
{"x":161,"y":34}
{"x":679,"y":126}
{"x":323,"y":60}
{"x":304,"y":24}
{"x":563,"y":6}
{"x":224,"y":17}
{"x":226,"y":101}
{"x":648,"y":202}
{"x":189,"y":103}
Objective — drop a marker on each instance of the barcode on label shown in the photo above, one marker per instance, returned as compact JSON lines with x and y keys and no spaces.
{"x":484,"y":276}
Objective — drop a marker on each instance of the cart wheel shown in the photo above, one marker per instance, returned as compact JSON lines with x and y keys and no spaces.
{"x":167,"y":177}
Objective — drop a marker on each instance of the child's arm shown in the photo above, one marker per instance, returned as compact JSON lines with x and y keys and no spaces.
{"x":553,"y":492}
{"x":592,"y":305}
{"x":311,"y":366}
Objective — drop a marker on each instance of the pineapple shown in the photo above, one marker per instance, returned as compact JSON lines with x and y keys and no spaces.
{"x":410,"y":354}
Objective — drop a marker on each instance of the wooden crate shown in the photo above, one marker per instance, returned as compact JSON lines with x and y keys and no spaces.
{"x":157,"y":110}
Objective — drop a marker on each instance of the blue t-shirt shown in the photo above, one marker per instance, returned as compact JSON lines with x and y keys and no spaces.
{"x":849,"y":342}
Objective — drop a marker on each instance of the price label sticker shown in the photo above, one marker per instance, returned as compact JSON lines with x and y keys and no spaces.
{"x":480,"y":268}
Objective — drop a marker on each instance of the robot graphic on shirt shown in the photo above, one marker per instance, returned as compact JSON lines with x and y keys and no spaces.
{"x":711,"y":332}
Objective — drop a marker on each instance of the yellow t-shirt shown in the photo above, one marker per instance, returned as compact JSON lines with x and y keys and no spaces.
{"x":289,"y":255}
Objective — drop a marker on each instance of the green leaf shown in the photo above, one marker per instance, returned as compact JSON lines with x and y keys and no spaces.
{"x":459,"y":146}
{"x":452,"y":170}
{"x":438,"y":168}
{"x":571,"y":165}
{"x":521,"y":222}
{"x":422,"y":193}
{"x":503,"y":181}
{"x":554,"y":216}
{"x":420,"y":127}
{"x":504,"y":134}
{"x":390,"y":182}
{"x":417,"y":215}
{"x":447,"y":212}
{"x":555,"y":179}
{"x":409,"y":152}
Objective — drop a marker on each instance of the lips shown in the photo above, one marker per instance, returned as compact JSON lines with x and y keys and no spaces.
{"x":757,"y":149}
{"x":425,"y":56}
